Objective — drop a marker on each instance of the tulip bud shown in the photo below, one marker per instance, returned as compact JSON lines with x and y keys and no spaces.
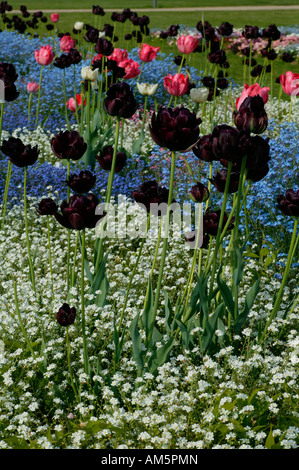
{"x":105,"y":159}
{"x":199,"y":193}
{"x":199,"y":95}
{"x":251,"y":115}
{"x":289,"y":204}
{"x":32,"y":87}
{"x":47,"y":207}
{"x":66,"y":315}
{"x":81,"y":183}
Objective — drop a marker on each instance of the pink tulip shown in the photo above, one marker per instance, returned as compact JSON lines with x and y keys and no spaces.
{"x":131,"y":68}
{"x":119,"y":55}
{"x":71,"y":103}
{"x":32,"y":87}
{"x":54,"y":17}
{"x":97,"y":57}
{"x":44,"y":55}
{"x":253,"y":90}
{"x":148,"y":53}
{"x":176,"y":85}
{"x":187,"y":44}
{"x":66,"y":43}
{"x":290,"y":83}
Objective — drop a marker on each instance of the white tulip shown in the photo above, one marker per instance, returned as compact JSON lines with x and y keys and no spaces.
{"x":199,"y":95}
{"x":79,"y":25}
{"x":88,"y":74}
{"x":101,"y":34}
{"x":147,"y":89}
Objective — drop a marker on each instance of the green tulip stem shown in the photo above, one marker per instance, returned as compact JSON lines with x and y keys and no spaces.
{"x":243,"y":174}
{"x":290,"y":109}
{"x":165,"y":244}
{"x":88,"y":112}
{"x":65,"y":100}
{"x":50,"y":254}
{"x":144,"y":111}
{"x":108,"y":193}
{"x":27,"y":233}
{"x":68,"y":349}
{"x":38,"y":98}
{"x":69,"y":231}
{"x":292,"y":250}
{"x":218,"y":236}
{"x":250,"y":59}
{"x":75,"y":257}
{"x":75,"y":95}
{"x":29,"y":106}
{"x":21,"y":321}
{"x":85,"y":354}
{"x":8,"y":176}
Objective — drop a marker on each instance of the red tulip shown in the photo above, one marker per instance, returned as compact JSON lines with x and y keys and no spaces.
{"x":148,"y":53}
{"x":187,"y":44}
{"x":131,"y":68}
{"x":253,"y":90}
{"x":71,"y":103}
{"x":290,"y":83}
{"x":177,"y":84}
{"x":119,"y":55}
{"x":66,"y":43}
{"x":44,"y":56}
{"x":54,"y":17}
{"x":32,"y":87}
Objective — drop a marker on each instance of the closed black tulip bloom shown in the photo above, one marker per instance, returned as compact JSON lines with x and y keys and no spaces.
{"x":62,"y":62}
{"x":219,"y":181}
{"x":211,"y":221}
{"x":82,"y":182}
{"x":225,"y":29}
{"x":120,"y":100}
{"x":69,"y":145}
{"x":258,"y":157}
{"x":251,"y":32}
{"x":97,"y":10}
{"x":288,"y":204}
{"x":251,"y":115}
{"x":175,"y":128}
{"x":79,"y":212}
{"x":149,"y":194}
{"x":19,"y":154}
{"x":227,"y":143}
{"x":66,"y":315}
{"x":217,"y":57}
{"x":104,"y":46}
{"x":92,"y":35}
{"x":75,"y":56}
{"x":257,"y":70}
{"x":8,"y":70}
{"x":47,"y":207}
{"x":287,"y":57}
{"x":105,"y":159}
{"x":203,"y":149}
{"x":272,"y":32}
{"x":199,"y":193}
{"x":10,"y":91}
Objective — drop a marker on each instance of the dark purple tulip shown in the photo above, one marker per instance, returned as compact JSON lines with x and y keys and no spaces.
{"x":251,"y":32}
{"x":10,"y":91}
{"x":258,"y":157}
{"x":173,"y":30}
{"x":79,"y":213}
{"x":151,"y":193}
{"x":227,"y":143}
{"x":217,"y":57}
{"x":105,"y":159}
{"x":257,"y":70}
{"x":82,"y":182}
{"x":251,"y":115}
{"x":289,"y":204}
{"x":199,"y":193}
{"x":120,"y":100}
{"x":208,"y":82}
{"x":203,"y":149}
{"x":219,"y":181}
{"x":287,"y":57}
{"x":97,"y":10}
{"x":222,"y":83}
{"x":91,"y":35}
{"x":8,"y":70}
{"x":163,"y":34}
{"x":68,"y":145}
{"x":104,"y":46}
{"x":201,"y":26}
{"x":47,"y":207}
{"x":62,"y":62}
{"x":225,"y":29}
{"x":175,"y":128}
{"x":191,"y":239}
{"x":75,"y":56}
{"x":211,"y":221}
{"x":19,"y":154}
{"x":66,"y":315}
{"x":272,"y":32}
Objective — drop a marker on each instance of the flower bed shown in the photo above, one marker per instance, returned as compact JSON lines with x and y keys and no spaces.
{"x":140,"y":340}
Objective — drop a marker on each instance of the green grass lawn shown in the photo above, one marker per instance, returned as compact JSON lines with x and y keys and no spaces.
{"x":119,"y":4}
